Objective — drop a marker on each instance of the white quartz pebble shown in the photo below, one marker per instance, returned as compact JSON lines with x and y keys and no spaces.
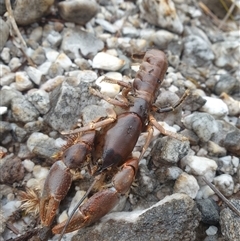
{"x":212,"y":230}
{"x":199,"y":166}
{"x":22,"y":81}
{"x":225,"y":184}
{"x":64,"y":61}
{"x":109,"y":89}
{"x":215,"y":107}
{"x":28,"y":165}
{"x":187,"y":184}
{"x":107,"y":62}
{"x":34,"y":74}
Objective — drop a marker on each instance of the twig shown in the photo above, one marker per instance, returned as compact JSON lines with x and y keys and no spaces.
{"x":214,"y":18}
{"x":227,"y":15}
{"x":15,"y":28}
{"x":12,"y":228}
{"x":229,"y":204}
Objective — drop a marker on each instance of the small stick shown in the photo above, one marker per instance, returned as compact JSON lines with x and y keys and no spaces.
{"x":227,"y":15}
{"x":229,"y":204}
{"x":13,"y":22}
{"x":15,"y":28}
{"x":215,"y":20}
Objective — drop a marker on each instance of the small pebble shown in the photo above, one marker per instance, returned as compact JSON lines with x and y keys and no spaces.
{"x":199,"y":166}
{"x":225,"y":184}
{"x":3,"y":110}
{"x":4,"y":33}
{"x":109,"y":89}
{"x":203,"y":124}
{"x":107,"y":62}
{"x":22,"y":81}
{"x":28,"y":165}
{"x":14,"y":63}
{"x":187,"y":184}
{"x":215,"y":107}
{"x":212,"y":230}
{"x":34,"y":74}
{"x":40,"y":172}
{"x":75,"y":10}
{"x":64,"y":61}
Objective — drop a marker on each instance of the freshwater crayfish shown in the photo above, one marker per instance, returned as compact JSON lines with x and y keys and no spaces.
{"x":107,"y":144}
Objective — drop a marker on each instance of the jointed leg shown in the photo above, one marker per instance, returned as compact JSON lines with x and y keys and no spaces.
{"x":111,"y":117}
{"x":173,"y":107}
{"x":148,"y":140}
{"x":112,"y":101}
{"x":166,"y":132}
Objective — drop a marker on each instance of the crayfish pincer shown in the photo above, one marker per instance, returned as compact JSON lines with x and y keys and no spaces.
{"x":105,"y":146}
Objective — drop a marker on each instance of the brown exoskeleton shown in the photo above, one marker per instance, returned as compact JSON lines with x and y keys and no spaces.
{"x":113,"y":145}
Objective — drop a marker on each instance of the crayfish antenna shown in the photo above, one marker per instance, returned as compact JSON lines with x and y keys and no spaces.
{"x":78,"y":205}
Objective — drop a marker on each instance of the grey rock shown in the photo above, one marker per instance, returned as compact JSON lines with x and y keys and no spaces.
{"x":8,"y":94}
{"x":4,"y":33}
{"x":54,"y":38}
{"x":14,"y":63}
{"x":168,"y":98}
{"x":7,"y":79}
{"x":36,"y":34}
{"x":75,"y":40}
{"x":18,"y":132}
{"x":22,"y":81}
{"x":226,"y":83}
{"x":41,"y":145}
{"x":55,"y":70}
{"x":211,"y":238}
{"x":203,"y":124}
{"x":232,"y":142}
{"x":24,"y":152}
{"x":78,"y":11}
{"x":173,"y":218}
{"x":40,"y":99}
{"x":38,"y":56}
{"x":196,"y":52}
{"x":5,"y":55}
{"x":23,"y":110}
{"x":107,"y":26}
{"x":193,"y":102}
{"x":192,"y":137}
{"x":4,"y":70}
{"x":145,"y":180}
{"x":162,"y":14}
{"x":26,"y":12}
{"x":2,"y":7}
{"x":168,"y":150}
{"x":222,"y":57}
{"x":209,"y":210}
{"x":92,"y":112}
{"x":34,"y":126}
{"x":34,"y":74}
{"x":5,"y":128}
{"x":224,"y":128}
{"x":67,"y":101}
{"x":83,"y":64}
{"x":230,"y":222}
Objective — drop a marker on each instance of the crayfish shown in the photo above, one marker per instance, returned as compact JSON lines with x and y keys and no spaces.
{"x":108,"y":143}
